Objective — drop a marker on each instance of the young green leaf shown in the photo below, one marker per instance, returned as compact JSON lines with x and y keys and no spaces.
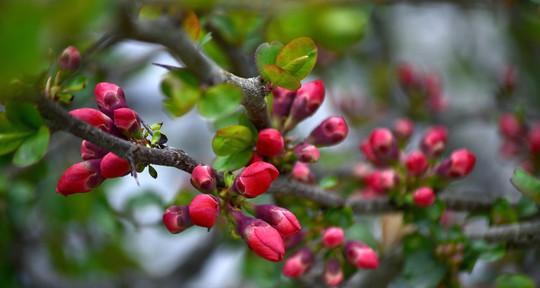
{"x":232,"y":139}
{"x":515,"y":280}
{"x":266,"y":54}
{"x":152,"y":171}
{"x":219,"y":100}
{"x":23,"y":114}
{"x":298,"y":57}
{"x":182,"y":91}
{"x":33,"y":148}
{"x":233,"y":161}
{"x":279,"y":77}
{"x":527,"y":184}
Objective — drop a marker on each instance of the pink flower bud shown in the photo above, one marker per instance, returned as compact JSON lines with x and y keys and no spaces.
{"x":307,"y":153}
{"x":176,"y":219}
{"x":360,"y":255}
{"x":365,"y":147}
{"x":127,"y":121}
{"x":308,"y":99}
{"x":70,"y":59}
{"x":407,"y":75}
{"x":109,"y":97}
{"x":382,"y":180}
{"x":301,"y":172}
{"x":434,"y":141}
{"x":79,"y":178}
{"x":509,"y":148}
{"x":423,"y":197}
{"x":437,"y":103}
{"x":255,"y":179}
{"x":416,"y":163}
{"x":333,"y":274}
{"x":270,"y":143}
{"x":283,"y":220}
{"x":299,"y":263}
{"x":113,"y":166}
{"x":533,"y":139}
{"x":432,"y":85}
{"x":93,"y":117}
{"x":330,"y":132}
{"x":459,"y":164}
{"x":90,"y":150}
{"x":203,"y":178}
{"x":283,"y":99}
{"x":403,"y":128}
{"x":333,"y":237}
{"x":362,"y":170}
{"x":261,"y":238}
{"x":510,"y":127}
{"x":204,"y":210}
{"x":383,"y":144}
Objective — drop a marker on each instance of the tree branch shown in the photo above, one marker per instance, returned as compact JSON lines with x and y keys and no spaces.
{"x":516,"y":233}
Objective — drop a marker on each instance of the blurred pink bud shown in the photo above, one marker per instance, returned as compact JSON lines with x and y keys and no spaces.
{"x":301,"y":172}
{"x":437,"y":103}
{"x":333,"y":237}
{"x":109,"y":97}
{"x":383,"y":144}
{"x":308,"y":99}
{"x":382,"y":180}
{"x":90,"y":150}
{"x":434,"y":141}
{"x":533,"y":139}
{"x":307,"y":153}
{"x":330,"y":132}
{"x":460,"y":164}
{"x":423,"y":197}
{"x":70,"y":59}
{"x":127,"y":121}
{"x":403,"y":128}
{"x":407,"y":75}
{"x":283,"y":220}
{"x":361,"y":255}
{"x":281,"y":104}
{"x":270,"y":143}
{"x":362,"y":170}
{"x":79,"y":178}
{"x":93,"y":117}
{"x":204,"y":210}
{"x":333,"y":274}
{"x":255,"y":179}
{"x":261,"y":238}
{"x":510,"y":126}
{"x":509,"y":148}
{"x":416,"y":163}
{"x":113,"y":166}
{"x":176,"y":219}
{"x":299,"y":263}
{"x":203,"y":178}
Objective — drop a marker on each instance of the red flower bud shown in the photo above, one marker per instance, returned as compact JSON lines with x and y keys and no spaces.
{"x":330,"y":132}
{"x":79,"y":178}
{"x":361,"y":255}
{"x":176,"y":219}
{"x":204,"y":210}
{"x":261,"y":238}
{"x":308,"y":99}
{"x":127,"y":121}
{"x":382,"y":180}
{"x":407,"y":75}
{"x":510,"y":126}
{"x":403,"y":128}
{"x":416,"y":163}
{"x":109,"y":97}
{"x":283,"y":99}
{"x":509,"y":148}
{"x":93,"y":117}
{"x":533,"y":139}
{"x":333,"y":274}
{"x":307,"y":153}
{"x":434,"y":141}
{"x":90,"y":150}
{"x":423,"y":197}
{"x":282,"y":219}
{"x":432,"y":85}
{"x":70,"y":59}
{"x":270,"y":143}
{"x":383,"y":144}
{"x":437,"y":103}
{"x":459,"y":164}
{"x":365,"y":147}
{"x":203,"y":178}
{"x":113,"y":166}
{"x":333,"y":237}
{"x":255,"y":179}
{"x":299,"y":263}
{"x":301,"y":172}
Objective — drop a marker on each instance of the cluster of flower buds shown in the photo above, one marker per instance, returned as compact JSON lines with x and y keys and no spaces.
{"x":520,"y":139}
{"x":112,"y":117}
{"x":401,"y":175}
{"x":424,"y":89}
{"x":332,"y":244}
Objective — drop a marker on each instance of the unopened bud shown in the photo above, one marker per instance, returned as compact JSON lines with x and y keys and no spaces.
{"x":416,"y":163}
{"x":330,"y":132}
{"x":270,"y":143}
{"x":113,"y":166}
{"x":255,"y":179}
{"x":176,"y":219}
{"x":204,"y":210}
{"x":333,"y":273}
{"x":361,"y":255}
{"x":90,"y":151}
{"x":70,"y":59}
{"x":203,"y":178}
{"x":434,"y":140}
{"x":307,"y":153}
{"x":333,"y":237}
{"x":423,"y":197}
{"x":127,"y":121}
{"x":299,"y":263}
{"x":93,"y":117}
{"x":79,"y":178}
{"x":109,"y":97}
{"x":308,"y":99}
{"x":283,"y":220}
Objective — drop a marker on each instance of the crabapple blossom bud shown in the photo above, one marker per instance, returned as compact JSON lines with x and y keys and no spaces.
{"x":307,"y":153}
{"x":70,"y":59}
{"x":416,"y":163}
{"x":333,"y":274}
{"x":301,"y":172}
{"x":308,"y":99}
{"x":510,"y":126}
{"x":283,"y":220}
{"x":361,"y":255}
{"x":93,"y":117}
{"x":176,"y":219}
{"x":407,"y":75}
{"x":127,"y":121}
{"x":333,"y":237}
{"x":109,"y":97}
{"x":330,"y":132}
{"x":432,"y":85}
{"x":283,"y":99}
{"x":403,"y":128}
{"x":204,"y":210}
{"x":80,"y":177}
{"x":533,"y":139}
{"x":270,"y":143}
{"x":203,"y":178}
{"x":90,"y":150}
{"x":459,"y":164}
{"x":113,"y":166}
{"x":255,"y":179}
{"x":383,"y":143}
{"x":299,"y":263}
{"x":382,"y":180}
{"x":423,"y":197}
{"x":434,"y":141}
{"x":437,"y":103}
{"x":365,"y":147}
{"x":261,"y":238}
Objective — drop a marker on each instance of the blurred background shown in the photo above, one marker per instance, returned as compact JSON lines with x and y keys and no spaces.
{"x":113,"y":236}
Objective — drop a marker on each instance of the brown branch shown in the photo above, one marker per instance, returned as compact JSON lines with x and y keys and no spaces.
{"x":514,"y":233}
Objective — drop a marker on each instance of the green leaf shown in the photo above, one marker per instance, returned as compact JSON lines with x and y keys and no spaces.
{"x":23,"y":114}
{"x":76,"y":84}
{"x":360,"y":231}
{"x":33,"y":148}
{"x":514,"y":280}
{"x":152,"y":171}
{"x":266,"y":54}
{"x":298,"y":57}
{"x":232,"y":139}
{"x":182,"y":91}
{"x":526,"y":207}
{"x":219,"y":100}
{"x":280,"y":77}
{"x":11,"y":136}
{"x":232,"y":162}
{"x":422,"y":270}
{"x":527,"y":184}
